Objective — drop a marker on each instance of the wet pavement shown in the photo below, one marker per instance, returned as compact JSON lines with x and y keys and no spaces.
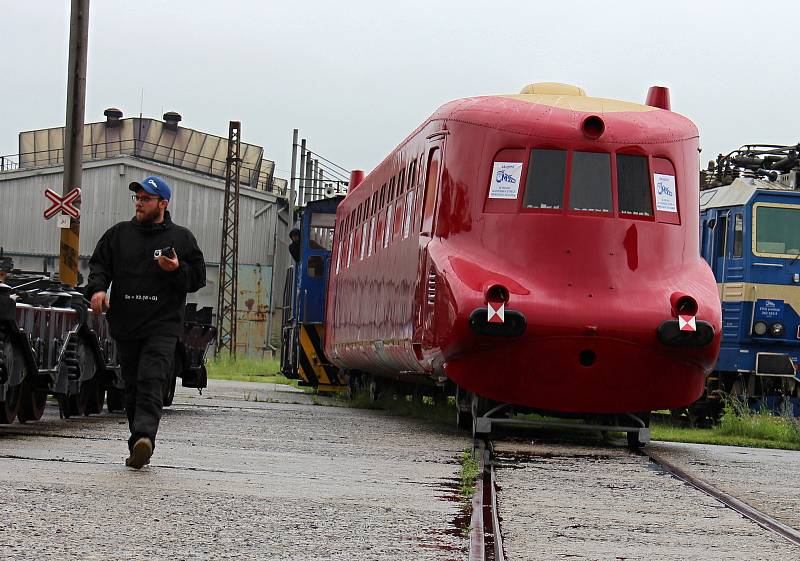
{"x":597,"y":502}
{"x":246,"y":471}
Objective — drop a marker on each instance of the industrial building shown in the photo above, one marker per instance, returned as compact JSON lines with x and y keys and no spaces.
{"x":117,"y":151}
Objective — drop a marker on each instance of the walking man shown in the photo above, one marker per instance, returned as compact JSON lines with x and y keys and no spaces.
{"x":150,"y":264}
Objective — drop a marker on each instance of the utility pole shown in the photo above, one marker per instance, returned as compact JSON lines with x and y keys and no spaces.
{"x":292,"y":190}
{"x":302,"y":189}
{"x":229,"y":253}
{"x":73,"y":135}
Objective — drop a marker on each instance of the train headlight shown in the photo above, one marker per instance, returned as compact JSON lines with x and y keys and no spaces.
{"x":776,"y":329}
{"x":760,"y":328}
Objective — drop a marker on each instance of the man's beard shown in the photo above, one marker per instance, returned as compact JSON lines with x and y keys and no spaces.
{"x":148,"y":216}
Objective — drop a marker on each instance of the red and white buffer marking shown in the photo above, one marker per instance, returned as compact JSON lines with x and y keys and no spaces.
{"x":497,"y":312}
{"x":687,"y":323}
{"x":62,"y":204}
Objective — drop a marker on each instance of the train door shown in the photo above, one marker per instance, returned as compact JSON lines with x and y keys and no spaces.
{"x":426,"y":277}
{"x":733,"y":286}
{"x":706,"y":236}
{"x":719,"y":242}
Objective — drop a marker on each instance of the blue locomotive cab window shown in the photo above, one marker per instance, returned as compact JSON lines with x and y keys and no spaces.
{"x":544,"y":186}
{"x":777,"y":230}
{"x":633,"y":185}
{"x":590,"y":185}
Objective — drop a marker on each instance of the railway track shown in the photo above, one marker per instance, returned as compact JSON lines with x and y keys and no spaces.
{"x":761,"y":518}
{"x":486,"y":533}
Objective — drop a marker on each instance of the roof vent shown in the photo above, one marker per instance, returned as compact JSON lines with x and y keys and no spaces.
{"x":356,"y":177}
{"x":171,"y":120}
{"x":658,"y":96}
{"x":552,"y":88}
{"x":113,"y":115}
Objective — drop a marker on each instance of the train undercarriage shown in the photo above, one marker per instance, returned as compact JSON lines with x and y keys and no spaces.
{"x":52,"y":345}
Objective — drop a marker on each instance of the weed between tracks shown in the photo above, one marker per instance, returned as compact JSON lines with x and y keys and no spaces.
{"x":469,"y":473}
{"x":442,"y":412}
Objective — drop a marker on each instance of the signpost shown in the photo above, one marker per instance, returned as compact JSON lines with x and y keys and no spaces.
{"x":73,"y":140}
{"x":63,"y":204}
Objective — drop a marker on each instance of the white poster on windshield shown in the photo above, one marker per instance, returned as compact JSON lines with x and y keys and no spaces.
{"x":505,"y":180}
{"x":666,"y":196}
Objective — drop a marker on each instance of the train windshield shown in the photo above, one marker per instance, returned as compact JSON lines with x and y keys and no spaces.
{"x":322,"y":231}
{"x":777,"y":230}
{"x":590,"y":185}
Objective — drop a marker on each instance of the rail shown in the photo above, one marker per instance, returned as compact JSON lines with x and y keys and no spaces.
{"x":764,"y":520}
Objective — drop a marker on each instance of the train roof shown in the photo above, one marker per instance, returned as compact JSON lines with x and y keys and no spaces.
{"x":739,"y":192}
{"x":552,"y":110}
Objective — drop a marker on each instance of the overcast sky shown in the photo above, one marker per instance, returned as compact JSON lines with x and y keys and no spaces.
{"x":357,"y":76}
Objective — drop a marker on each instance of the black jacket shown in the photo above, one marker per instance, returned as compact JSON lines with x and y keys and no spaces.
{"x":145,"y":299}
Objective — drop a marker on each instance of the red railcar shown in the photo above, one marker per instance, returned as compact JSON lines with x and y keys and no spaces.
{"x":537,"y":249}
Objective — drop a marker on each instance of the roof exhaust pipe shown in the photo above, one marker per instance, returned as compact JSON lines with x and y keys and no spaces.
{"x":658,"y":96}
{"x":356,"y":177}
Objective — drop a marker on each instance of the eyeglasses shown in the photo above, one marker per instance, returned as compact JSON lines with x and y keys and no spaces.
{"x":143,"y":200}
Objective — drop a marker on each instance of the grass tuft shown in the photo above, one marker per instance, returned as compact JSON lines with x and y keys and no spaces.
{"x":469,"y":473}
{"x":738,"y":426}
{"x":442,"y":412}
{"x":739,"y":422}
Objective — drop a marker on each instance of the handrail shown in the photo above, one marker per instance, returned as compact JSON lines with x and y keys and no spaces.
{"x":250,"y":176}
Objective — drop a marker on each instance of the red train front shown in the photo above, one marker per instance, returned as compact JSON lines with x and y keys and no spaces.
{"x":538,"y":249}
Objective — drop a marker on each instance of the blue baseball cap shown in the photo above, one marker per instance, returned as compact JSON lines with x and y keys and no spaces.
{"x":153,"y":185}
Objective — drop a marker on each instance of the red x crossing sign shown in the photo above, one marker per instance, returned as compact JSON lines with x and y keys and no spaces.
{"x":62,"y":204}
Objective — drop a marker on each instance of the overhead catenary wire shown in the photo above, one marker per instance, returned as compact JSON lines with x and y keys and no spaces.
{"x":327,"y":160}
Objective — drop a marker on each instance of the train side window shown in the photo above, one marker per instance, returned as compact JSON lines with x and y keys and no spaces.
{"x":633,"y":185}
{"x":412,"y":174}
{"x":666,"y":191}
{"x":391,"y":190}
{"x":544,"y":186}
{"x":383,"y":196}
{"x":721,"y":237}
{"x":409,"y":213}
{"x":371,"y":248}
{"x":387,"y":233}
{"x":364,"y":241}
{"x":431,"y":183}
{"x":590,"y":182}
{"x":738,"y":235}
{"x":401,"y":181}
{"x":349,"y":248}
{"x":398,"y":218}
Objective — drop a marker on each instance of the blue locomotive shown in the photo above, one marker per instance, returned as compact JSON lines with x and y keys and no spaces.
{"x":303,"y":330}
{"x":750,"y":236}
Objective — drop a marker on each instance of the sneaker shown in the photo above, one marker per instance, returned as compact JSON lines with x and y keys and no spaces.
{"x":140,"y":455}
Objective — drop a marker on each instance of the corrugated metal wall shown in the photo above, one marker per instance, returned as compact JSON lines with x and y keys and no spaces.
{"x":196,"y":203}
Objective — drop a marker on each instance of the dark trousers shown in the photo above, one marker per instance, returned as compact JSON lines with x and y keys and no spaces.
{"x":146,"y":365}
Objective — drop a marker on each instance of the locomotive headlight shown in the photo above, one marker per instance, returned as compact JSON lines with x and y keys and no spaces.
{"x":776,"y":329}
{"x":760,"y":328}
